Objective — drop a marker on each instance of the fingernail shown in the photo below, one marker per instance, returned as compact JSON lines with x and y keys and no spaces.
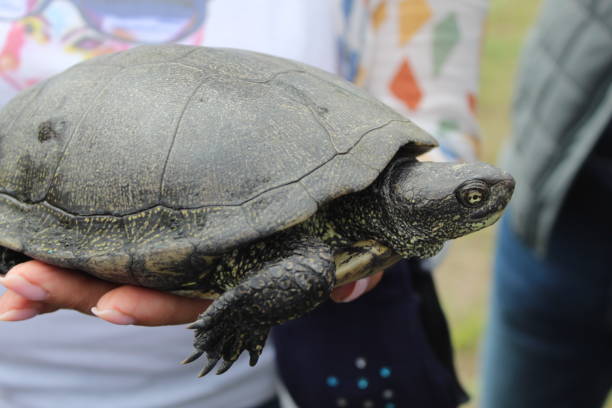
{"x":18,"y":314}
{"x":359,"y":289}
{"x":113,"y":316}
{"x":24,"y":287}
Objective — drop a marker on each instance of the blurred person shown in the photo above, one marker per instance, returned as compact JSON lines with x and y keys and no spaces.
{"x":419,"y":57}
{"x":549,"y":341}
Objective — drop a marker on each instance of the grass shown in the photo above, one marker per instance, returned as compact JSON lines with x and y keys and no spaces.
{"x":508,"y":24}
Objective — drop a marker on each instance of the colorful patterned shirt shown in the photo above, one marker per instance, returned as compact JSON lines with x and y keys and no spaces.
{"x":421,"y":57}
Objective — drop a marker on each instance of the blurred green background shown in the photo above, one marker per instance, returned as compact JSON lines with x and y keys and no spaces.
{"x":464,"y":277}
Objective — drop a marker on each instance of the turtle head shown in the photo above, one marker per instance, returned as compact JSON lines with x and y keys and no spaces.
{"x":429,"y":203}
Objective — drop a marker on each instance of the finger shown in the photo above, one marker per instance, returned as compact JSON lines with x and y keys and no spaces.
{"x":353,"y":290}
{"x":14,"y":307}
{"x":54,"y":287}
{"x":148,"y":307}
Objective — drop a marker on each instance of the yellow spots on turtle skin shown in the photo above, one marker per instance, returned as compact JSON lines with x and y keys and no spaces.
{"x":330,"y":233}
{"x":437,"y":227}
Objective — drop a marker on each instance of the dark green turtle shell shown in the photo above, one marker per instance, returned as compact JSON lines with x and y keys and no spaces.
{"x":147,"y":158}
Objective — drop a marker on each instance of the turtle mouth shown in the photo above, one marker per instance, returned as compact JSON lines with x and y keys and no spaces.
{"x":489,"y":219}
{"x":487,"y":213}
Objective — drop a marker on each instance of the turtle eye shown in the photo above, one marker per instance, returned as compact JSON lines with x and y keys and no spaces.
{"x":473,"y":194}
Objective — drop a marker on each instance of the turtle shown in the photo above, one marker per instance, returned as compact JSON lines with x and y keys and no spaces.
{"x":218,"y":173}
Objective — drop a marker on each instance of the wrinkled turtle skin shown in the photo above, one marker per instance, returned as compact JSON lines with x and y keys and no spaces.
{"x":226,"y":174}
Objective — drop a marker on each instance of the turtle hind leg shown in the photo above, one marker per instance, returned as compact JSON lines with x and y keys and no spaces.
{"x":243,"y":316}
{"x":10,"y":258}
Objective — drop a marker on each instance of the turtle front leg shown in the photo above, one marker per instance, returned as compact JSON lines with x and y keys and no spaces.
{"x":282,"y":290}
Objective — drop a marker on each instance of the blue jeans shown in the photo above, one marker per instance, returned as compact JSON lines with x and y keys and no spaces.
{"x":549,"y":341}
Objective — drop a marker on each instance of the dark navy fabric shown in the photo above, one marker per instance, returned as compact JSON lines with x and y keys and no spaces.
{"x":549,"y":342}
{"x":275,"y":403}
{"x":373,"y":352}
{"x":592,"y":189}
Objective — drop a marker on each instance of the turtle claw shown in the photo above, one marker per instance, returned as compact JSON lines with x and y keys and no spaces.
{"x":192,"y":357}
{"x":199,"y":324}
{"x":227,"y":341}
{"x":210,"y":364}
{"x":225,"y":366}
{"x":195,"y":325}
{"x":256,"y":344}
{"x":254,"y":356}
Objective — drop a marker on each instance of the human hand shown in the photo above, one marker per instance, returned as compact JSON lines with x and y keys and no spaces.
{"x":351,"y":291}
{"x":35,"y":288}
